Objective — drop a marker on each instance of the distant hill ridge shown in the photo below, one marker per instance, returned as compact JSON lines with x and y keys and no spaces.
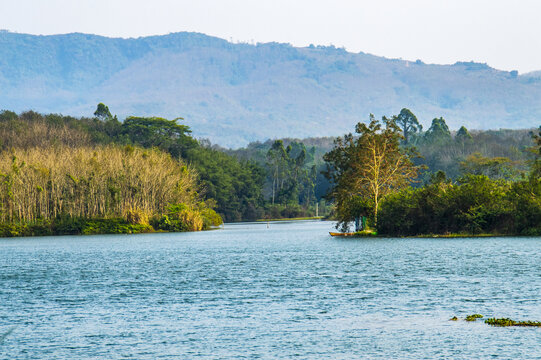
{"x":236,"y":93}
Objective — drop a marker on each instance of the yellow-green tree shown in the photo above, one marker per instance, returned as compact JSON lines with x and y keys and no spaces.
{"x":91,"y":182}
{"x":368,"y":167}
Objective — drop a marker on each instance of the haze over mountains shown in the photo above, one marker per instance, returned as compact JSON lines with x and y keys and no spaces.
{"x":236,"y":93}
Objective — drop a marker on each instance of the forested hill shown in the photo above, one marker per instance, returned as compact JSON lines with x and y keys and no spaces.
{"x":236,"y":93}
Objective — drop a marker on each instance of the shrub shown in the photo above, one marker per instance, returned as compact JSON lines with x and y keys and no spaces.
{"x":136,"y":216}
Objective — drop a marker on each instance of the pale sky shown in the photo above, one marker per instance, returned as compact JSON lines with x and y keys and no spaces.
{"x":504,"y":34}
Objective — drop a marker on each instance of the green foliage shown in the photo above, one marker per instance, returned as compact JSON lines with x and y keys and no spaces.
{"x":13,"y":229}
{"x":66,"y":225}
{"x":102,"y":112}
{"x":494,"y":168}
{"x":524,"y":198}
{"x":235,"y":185}
{"x":476,"y":204}
{"x":289,"y":211}
{"x":503,"y":322}
{"x":158,"y":132}
{"x":181,"y":217}
{"x":210,"y":218}
{"x":292,"y":177}
{"x":438,"y":132}
{"x":473,"y":317}
{"x":463,"y":136}
{"x":536,"y":149}
{"x":113,"y":226}
{"x":409,"y":124}
{"x":136,"y":216}
{"x":366,"y":169}
{"x":7,"y":116}
{"x":491,"y":144}
{"x":244,"y":188}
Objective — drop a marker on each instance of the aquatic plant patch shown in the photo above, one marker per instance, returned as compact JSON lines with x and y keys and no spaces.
{"x":473,"y":317}
{"x":502,"y":322}
{"x":509,"y":322}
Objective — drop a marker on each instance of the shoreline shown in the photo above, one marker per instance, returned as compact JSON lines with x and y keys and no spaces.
{"x":82,"y":227}
{"x":292,"y":219}
{"x":438,"y":236}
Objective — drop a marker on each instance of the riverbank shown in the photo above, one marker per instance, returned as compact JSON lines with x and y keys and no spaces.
{"x":373,"y":233}
{"x":450,"y":236}
{"x":75,"y":226}
{"x":100,"y":226}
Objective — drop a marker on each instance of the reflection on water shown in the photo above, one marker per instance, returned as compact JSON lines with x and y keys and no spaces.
{"x":248,"y":291}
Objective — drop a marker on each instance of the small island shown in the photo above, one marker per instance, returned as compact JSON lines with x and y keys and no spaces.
{"x":377,"y":174}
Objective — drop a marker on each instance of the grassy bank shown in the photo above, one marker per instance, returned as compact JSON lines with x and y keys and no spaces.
{"x":73,"y":226}
{"x":178,"y":218}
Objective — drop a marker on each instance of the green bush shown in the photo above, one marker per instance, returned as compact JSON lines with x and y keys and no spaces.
{"x":180,"y":217}
{"x":113,"y":226}
{"x":11,"y":230}
{"x":210,"y":218}
{"x":474,"y":205}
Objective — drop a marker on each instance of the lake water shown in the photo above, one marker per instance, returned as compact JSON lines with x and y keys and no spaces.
{"x":248,"y":292}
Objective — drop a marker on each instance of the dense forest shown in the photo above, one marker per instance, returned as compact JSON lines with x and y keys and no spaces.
{"x":60,"y":167}
{"x":489,"y":150}
{"x":372,"y":175}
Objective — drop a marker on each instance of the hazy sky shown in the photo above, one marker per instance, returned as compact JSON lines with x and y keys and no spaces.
{"x":504,"y":34}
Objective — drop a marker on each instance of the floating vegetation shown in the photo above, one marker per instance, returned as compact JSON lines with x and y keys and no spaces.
{"x":473,"y":317}
{"x":509,"y":322}
{"x":500,"y":321}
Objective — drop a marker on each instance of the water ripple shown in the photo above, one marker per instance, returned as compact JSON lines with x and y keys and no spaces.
{"x":248,"y":292}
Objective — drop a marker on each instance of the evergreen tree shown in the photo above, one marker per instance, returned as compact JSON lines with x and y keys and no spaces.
{"x":463,"y":135}
{"x":409,"y":124}
{"x":438,"y":132}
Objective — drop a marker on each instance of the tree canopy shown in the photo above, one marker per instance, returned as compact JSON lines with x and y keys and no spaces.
{"x":102,"y":112}
{"x":366,"y":169}
{"x":408,"y":122}
{"x":438,"y":132}
{"x":463,"y":135}
{"x":159,"y":132}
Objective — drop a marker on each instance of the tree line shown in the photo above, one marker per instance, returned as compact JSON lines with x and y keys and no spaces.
{"x":495,"y":153}
{"x":60,"y":189}
{"x":233,"y":185}
{"x":373,"y":174}
{"x":287,"y":177}
{"x":238,"y":186}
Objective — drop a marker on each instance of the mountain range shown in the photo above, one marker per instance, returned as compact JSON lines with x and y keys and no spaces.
{"x":234,"y":93}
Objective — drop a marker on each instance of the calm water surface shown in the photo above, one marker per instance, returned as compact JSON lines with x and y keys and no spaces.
{"x":248,"y":292}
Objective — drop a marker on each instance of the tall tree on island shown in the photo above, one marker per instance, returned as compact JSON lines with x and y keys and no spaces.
{"x":367,"y":168}
{"x":408,"y":122}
